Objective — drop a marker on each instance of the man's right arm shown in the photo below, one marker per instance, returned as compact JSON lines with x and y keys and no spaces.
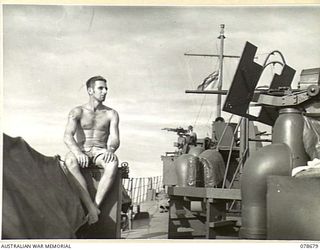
{"x":71,"y":127}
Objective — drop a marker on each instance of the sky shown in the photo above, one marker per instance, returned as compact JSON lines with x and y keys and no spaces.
{"x":50,"y":51}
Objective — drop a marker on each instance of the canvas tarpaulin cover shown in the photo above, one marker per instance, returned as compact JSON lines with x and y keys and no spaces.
{"x":311,"y":136}
{"x":38,"y":200}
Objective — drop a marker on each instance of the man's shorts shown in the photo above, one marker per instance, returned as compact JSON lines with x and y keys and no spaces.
{"x":93,"y":153}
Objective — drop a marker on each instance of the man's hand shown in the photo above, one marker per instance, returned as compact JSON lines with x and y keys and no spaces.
{"x":109,"y":156}
{"x":83,"y":159}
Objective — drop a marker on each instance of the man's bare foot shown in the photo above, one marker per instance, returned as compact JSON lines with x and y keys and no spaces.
{"x":93,"y":215}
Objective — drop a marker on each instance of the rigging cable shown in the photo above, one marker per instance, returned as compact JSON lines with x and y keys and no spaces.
{"x":190,"y":83}
{"x":202,"y":104}
{"x":204,"y":98}
{"x":196,"y":120}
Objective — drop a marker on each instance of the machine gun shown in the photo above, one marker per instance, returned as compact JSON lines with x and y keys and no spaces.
{"x":179,"y":130}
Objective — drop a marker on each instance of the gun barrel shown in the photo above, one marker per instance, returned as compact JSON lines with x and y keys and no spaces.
{"x":177,"y":130}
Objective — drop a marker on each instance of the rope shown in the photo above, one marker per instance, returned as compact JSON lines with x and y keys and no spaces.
{"x":196,"y":120}
{"x":193,"y":86}
{"x":210,"y":116}
{"x":191,"y":80}
{"x":82,"y":85}
{"x":230,"y":152}
{"x":240,"y":163}
{"x":224,"y":131}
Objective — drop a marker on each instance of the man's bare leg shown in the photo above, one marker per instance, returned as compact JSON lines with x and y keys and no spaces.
{"x":74,"y":168}
{"x":106,"y":181}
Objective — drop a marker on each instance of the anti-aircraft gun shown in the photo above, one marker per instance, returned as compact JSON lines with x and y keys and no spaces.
{"x":182,"y":141}
{"x":266,"y":183}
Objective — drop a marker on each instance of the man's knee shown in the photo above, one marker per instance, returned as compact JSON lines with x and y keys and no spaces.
{"x":71,"y":161}
{"x":111,"y":165}
{"x":114,"y":163}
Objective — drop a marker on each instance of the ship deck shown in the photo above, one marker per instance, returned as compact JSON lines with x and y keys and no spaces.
{"x":150,"y":223}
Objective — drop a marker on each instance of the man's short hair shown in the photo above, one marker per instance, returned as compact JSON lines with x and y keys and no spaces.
{"x":92,"y":80}
{"x":219,"y":119}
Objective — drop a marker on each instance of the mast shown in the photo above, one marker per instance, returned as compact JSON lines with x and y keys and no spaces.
{"x":221,"y":37}
{"x":221,"y":56}
{"x":244,"y":128}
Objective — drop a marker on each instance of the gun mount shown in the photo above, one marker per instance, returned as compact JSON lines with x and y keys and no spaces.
{"x":285,"y":109}
{"x":279,"y":99}
{"x":279,"y":95}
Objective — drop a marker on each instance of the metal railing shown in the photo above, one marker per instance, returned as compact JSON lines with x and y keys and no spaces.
{"x":142,"y":189}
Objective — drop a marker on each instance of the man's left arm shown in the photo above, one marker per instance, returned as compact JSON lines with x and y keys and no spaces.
{"x":114,"y":138}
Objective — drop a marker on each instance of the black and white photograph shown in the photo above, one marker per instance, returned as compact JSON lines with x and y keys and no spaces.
{"x":160,"y":122}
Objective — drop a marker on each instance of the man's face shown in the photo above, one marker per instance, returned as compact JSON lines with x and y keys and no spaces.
{"x":100,"y":90}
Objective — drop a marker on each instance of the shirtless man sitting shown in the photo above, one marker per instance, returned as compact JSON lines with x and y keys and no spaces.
{"x":96,"y":128}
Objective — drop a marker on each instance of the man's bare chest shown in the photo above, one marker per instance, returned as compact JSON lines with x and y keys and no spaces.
{"x":95,"y":120}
